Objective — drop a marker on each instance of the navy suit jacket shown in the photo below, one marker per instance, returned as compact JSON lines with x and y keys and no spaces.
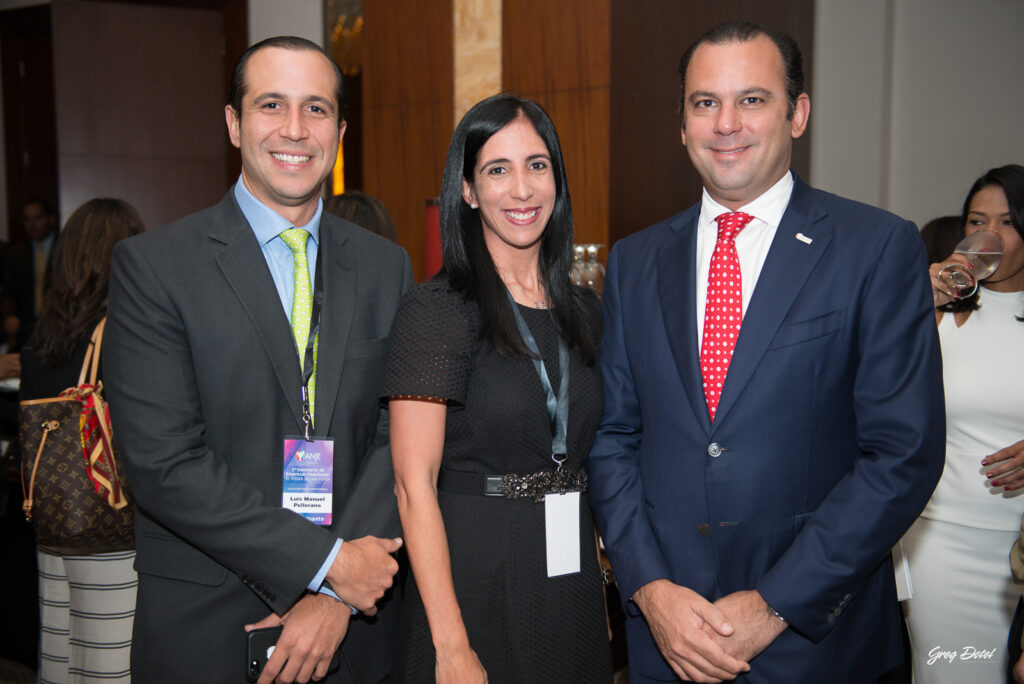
{"x":828,"y":440}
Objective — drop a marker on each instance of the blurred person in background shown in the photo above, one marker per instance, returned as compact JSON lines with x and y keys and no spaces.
{"x":27,"y":272}
{"x":86,"y":603}
{"x":366,"y":211}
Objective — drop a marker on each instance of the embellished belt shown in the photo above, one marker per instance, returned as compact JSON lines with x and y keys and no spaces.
{"x":513,"y":485}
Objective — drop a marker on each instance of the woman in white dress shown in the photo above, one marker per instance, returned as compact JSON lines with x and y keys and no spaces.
{"x":964,"y":595}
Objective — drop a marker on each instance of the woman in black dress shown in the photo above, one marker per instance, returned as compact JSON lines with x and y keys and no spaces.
{"x":478,"y":357}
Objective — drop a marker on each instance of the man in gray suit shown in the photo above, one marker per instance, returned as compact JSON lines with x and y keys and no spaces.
{"x":212,"y":323}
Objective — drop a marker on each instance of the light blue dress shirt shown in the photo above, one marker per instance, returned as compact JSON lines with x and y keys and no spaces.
{"x":268,"y":225}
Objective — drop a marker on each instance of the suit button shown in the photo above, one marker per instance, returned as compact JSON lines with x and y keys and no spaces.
{"x":714,"y":450}
{"x":704,"y":529}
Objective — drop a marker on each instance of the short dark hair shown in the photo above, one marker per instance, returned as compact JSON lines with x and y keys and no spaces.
{"x":742,"y":32}
{"x":467,"y":262}
{"x":45,"y":205}
{"x":1011,"y":179}
{"x":239,"y":86}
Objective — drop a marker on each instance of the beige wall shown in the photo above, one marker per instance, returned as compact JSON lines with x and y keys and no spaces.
{"x":302,"y":18}
{"x":914,"y":99}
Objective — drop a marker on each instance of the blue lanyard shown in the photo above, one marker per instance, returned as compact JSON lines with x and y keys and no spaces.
{"x":558,"y":407}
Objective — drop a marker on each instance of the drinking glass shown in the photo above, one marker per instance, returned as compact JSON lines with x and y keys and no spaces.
{"x":594,"y":271}
{"x":578,"y":266}
{"x":983,"y":251}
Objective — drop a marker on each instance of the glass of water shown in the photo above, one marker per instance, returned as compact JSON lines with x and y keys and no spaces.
{"x":983,"y":251}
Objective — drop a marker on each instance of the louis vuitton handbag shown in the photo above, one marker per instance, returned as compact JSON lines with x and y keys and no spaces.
{"x":76,"y":497}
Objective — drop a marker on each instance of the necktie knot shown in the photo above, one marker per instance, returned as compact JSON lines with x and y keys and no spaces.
{"x":296,"y":239}
{"x":731,"y":223}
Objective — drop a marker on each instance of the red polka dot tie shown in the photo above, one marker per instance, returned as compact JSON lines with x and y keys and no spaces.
{"x":723,"y":312}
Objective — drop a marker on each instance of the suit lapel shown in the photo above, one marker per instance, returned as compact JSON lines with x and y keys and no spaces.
{"x":785,"y":272}
{"x":676,"y":277}
{"x":339,"y":307}
{"x":244,"y":267}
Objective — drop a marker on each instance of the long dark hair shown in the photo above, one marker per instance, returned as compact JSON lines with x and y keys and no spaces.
{"x":77,"y":296}
{"x":467,"y":262}
{"x":1011,"y":179}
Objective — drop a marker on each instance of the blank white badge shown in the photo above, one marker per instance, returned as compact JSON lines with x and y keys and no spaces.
{"x":562,"y":533}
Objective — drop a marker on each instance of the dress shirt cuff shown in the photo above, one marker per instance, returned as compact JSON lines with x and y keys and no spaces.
{"x":330,"y":592}
{"x":319,"y":584}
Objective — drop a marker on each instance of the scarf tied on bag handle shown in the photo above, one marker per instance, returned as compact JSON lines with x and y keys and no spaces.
{"x":97,"y":441}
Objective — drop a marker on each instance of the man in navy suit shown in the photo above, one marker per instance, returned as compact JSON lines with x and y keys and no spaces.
{"x":749,"y":523}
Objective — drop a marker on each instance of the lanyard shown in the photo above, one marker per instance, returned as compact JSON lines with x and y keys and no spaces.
{"x":314,"y":330}
{"x":558,"y":408}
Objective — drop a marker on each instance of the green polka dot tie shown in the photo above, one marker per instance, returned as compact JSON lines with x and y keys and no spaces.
{"x":302,"y":302}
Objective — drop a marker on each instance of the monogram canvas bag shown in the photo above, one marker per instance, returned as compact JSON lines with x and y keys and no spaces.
{"x":76,"y":498}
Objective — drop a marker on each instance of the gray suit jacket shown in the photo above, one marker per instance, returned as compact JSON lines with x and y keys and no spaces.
{"x":203,"y":381}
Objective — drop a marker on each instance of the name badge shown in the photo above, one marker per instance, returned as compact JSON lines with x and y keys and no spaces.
{"x":308,"y":482}
{"x":562,"y":533}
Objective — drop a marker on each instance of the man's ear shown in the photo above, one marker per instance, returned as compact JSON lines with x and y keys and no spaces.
{"x":234,"y":122}
{"x":801,"y":114}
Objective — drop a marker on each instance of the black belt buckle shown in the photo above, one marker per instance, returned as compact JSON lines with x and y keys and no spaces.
{"x":492,"y":486}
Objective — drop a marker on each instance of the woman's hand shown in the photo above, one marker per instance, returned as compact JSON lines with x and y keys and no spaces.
{"x":1008,"y":470}
{"x":942,"y":291}
{"x":459,"y":666}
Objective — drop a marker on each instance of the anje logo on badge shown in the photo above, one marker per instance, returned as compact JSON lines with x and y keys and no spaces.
{"x":302,"y":455}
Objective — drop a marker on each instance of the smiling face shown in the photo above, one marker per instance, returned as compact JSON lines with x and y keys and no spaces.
{"x":288,"y":129}
{"x":514,"y":187}
{"x":989,"y":210}
{"x":736,"y":128}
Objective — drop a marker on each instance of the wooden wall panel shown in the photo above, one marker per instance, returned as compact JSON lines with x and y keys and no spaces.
{"x":408,"y":96}
{"x":557,"y":53}
{"x":236,"y":40}
{"x":651,"y":174}
{"x":139,"y":98}
{"x":26,"y":57}
{"x":549,"y":46}
{"x":581,"y":118}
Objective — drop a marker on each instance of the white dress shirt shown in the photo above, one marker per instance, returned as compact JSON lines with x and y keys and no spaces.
{"x":752,"y":243}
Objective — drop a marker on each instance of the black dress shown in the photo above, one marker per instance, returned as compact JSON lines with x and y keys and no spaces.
{"x":523,"y":625}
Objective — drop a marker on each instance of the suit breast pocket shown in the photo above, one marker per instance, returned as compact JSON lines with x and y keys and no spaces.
{"x":798,"y":332}
{"x":366,"y":349}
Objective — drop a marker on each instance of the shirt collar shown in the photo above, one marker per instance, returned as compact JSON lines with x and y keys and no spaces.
{"x":769,"y":207}
{"x":46,"y":242}
{"x":266,"y":223}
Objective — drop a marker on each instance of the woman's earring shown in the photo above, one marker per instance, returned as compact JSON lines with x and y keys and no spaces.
{"x":473,"y":205}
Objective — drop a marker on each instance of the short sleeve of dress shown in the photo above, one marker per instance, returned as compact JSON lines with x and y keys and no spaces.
{"x":430,"y":346}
